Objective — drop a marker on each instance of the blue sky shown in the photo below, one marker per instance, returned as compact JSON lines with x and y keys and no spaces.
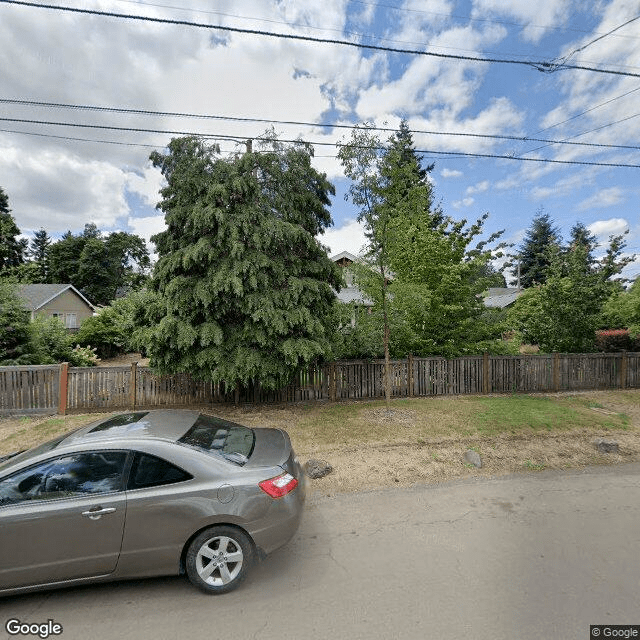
{"x":56,"y":181}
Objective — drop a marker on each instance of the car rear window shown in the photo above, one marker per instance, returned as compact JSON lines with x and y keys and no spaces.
{"x":120,"y":420}
{"x":228,"y":439}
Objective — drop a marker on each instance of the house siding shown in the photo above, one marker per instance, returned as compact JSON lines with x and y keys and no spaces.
{"x":67,"y":302}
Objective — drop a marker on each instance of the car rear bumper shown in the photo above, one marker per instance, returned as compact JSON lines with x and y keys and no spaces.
{"x":281,"y":520}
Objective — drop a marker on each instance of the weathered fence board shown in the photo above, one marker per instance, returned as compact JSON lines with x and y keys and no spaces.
{"x":37,"y":388}
{"x":98,"y":387}
{"x":29,"y":389}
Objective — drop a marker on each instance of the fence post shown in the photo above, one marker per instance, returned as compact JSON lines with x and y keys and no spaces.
{"x":410,"y":375}
{"x":556,"y":372}
{"x":485,"y":373}
{"x":134,"y":383}
{"x":623,"y":371}
{"x":64,"y":386}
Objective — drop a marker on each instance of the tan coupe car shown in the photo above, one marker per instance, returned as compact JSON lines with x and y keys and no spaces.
{"x":147,"y":494}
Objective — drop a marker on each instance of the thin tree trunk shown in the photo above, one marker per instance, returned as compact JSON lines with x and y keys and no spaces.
{"x":387,"y":364}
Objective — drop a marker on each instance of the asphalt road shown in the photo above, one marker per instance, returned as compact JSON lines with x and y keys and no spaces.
{"x":538,"y":556}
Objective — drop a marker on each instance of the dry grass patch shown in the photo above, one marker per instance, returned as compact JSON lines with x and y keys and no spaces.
{"x":421,"y":439}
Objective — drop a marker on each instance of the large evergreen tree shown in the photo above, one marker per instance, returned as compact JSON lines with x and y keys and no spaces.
{"x":12,"y":248}
{"x":39,"y":252}
{"x":245,"y":288}
{"x":541,"y":239}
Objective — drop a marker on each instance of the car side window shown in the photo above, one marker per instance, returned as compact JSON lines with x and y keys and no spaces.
{"x":66,"y":476}
{"x":150,"y":471}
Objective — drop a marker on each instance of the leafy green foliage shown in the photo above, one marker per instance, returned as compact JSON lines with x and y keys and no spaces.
{"x":563,"y":314}
{"x":425,"y":272}
{"x":99,"y":266}
{"x":116,"y":328}
{"x":622,"y":310}
{"x":14,"y":326}
{"x":51,"y":343}
{"x":244,"y":288}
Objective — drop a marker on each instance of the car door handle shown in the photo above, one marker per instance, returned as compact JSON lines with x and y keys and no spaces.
{"x":96,"y":514}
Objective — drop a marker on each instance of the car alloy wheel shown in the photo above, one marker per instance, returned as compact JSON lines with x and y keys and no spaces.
{"x":218,"y":559}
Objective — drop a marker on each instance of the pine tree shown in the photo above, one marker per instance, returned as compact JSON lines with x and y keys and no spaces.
{"x":12,"y":248}
{"x":245,"y":288}
{"x":581,"y":237}
{"x":39,"y":251}
{"x":541,"y":239}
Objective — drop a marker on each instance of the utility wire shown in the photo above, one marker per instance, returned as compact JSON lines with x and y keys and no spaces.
{"x":544,"y":66}
{"x":321,"y":143}
{"x":348,"y":33}
{"x":582,"y":113}
{"x":604,"y":35}
{"x":577,"y":135}
{"x":173,"y":114}
{"x":466,"y":17}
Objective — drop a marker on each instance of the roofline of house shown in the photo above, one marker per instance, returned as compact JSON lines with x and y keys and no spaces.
{"x":69,"y":286}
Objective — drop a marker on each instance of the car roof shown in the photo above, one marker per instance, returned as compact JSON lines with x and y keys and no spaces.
{"x":156,"y":424}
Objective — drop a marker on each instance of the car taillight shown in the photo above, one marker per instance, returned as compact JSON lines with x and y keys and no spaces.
{"x":279,"y":486}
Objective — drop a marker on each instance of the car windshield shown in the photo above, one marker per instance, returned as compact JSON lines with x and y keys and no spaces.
{"x":228,"y":439}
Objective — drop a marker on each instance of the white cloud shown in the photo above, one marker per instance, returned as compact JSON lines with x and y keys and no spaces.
{"x":465,"y":202}
{"x":535,"y":16}
{"x":606,"y":228}
{"x":146,"y":184}
{"x":451,"y":173}
{"x":349,"y":237}
{"x":602,"y":198}
{"x":147,"y":226}
{"x":480,"y":187}
{"x":59,"y":191}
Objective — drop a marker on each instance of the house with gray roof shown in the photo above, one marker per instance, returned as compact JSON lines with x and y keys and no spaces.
{"x":62,"y":301}
{"x":501,"y":297}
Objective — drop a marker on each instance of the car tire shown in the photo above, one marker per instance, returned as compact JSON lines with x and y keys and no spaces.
{"x":218,"y":559}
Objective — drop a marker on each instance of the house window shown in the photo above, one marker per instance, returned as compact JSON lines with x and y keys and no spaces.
{"x":70,"y":320}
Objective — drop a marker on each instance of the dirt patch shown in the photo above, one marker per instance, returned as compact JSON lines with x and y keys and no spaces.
{"x":401,"y":465}
{"x":125,"y":359}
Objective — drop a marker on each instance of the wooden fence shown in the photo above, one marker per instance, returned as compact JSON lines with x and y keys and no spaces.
{"x":59,"y":388}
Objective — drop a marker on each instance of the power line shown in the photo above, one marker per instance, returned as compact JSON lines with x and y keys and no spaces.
{"x":582,"y":113}
{"x":577,"y":135}
{"x":469,"y":18}
{"x":544,"y":66}
{"x":604,"y":35}
{"x":319,"y":143}
{"x":354,"y":33}
{"x":173,"y":114}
